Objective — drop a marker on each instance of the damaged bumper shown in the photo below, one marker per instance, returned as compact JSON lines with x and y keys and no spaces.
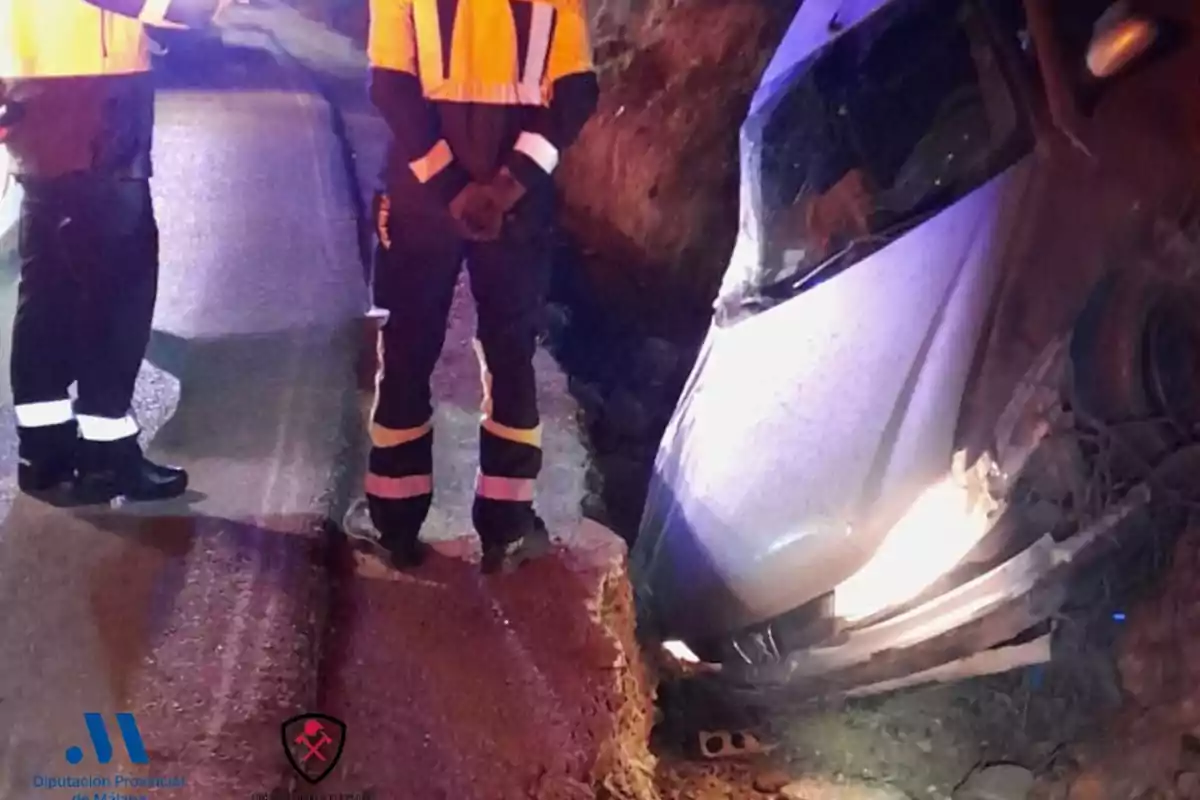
{"x":971,"y":630}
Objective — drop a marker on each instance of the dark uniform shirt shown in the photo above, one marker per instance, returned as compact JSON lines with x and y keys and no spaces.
{"x":469,"y":86}
{"x":79,"y":70}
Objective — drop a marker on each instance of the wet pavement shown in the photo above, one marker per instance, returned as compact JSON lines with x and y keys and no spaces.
{"x":202,"y":616}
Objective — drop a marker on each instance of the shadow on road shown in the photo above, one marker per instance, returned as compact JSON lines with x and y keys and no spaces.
{"x":190,"y":620}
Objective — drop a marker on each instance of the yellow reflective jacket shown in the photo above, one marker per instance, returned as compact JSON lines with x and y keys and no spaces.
{"x":469,"y":86}
{"x":79,"y":69}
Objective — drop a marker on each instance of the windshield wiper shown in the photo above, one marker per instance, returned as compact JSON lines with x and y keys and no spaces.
{"x":850,"y":254}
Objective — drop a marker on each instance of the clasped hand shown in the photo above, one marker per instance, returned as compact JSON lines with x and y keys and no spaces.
{"x":480,"y":208}
{"x":10,"y":113}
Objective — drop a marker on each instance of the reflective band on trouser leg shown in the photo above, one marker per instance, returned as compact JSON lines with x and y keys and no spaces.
{"x":399,"y":483}
{"x":509,"y":460}
{"x":485,"y":379}
{"x":401,"y":462}
{"x":45,"y":414}
{"x":504,"y":449}
{"x":526,"y":436}
{"x":395,"y":437}
{"x":402,"y":488}
{"x":106,"y":429}
{"x":379,"y":370}
{"x":511,"y":490}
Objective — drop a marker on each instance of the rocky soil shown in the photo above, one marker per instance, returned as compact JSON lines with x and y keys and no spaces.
{"x":626,"y":381}
{"x":1151,"y":748}
{"x":650,"y":189}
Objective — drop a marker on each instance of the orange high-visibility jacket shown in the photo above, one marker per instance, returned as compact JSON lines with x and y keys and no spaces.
{"x":468,"y":86}
{"x":80,"y":71}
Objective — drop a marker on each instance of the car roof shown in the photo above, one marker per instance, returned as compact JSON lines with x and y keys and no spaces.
{"x":809,"y":31}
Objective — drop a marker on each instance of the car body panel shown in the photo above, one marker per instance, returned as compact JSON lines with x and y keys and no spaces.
{"x":804,"y":430}
{"x":807,"y":427}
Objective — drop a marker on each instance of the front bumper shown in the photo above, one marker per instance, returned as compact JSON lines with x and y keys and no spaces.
{"x":990,"y":610}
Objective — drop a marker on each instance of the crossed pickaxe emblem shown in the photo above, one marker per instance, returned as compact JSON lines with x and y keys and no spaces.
{"x":313,"y":739}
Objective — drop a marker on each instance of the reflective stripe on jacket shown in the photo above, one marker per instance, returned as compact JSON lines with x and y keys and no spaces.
{"x":79,"y":70}
{"x":468,"y":86}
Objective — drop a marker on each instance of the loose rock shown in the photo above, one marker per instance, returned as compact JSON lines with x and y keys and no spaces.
{"x":557,"y":320}
{"x":1187,"y":785}
{"x":817,"y":789}
{"x":626,"y":415}
{"x":656,"y":362}
{"x":997,"y":782}
{"x":771,"y":781}
{"x":589,"y":396}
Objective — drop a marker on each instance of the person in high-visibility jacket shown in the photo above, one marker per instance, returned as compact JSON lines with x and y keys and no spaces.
{"x":79,"y":114}
{"x":481,"y":97}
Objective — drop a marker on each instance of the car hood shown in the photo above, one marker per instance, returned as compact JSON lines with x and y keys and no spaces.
{"x":806,"y":429}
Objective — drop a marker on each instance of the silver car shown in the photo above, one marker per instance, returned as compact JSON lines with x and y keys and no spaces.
{"x":952,"y":318}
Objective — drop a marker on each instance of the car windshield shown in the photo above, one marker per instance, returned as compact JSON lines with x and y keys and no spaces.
{"x":893,"y":120}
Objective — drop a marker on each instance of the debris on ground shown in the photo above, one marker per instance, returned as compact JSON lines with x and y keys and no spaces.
{"x":750,"y":780}
{"x":772,"y":781}
{"x":1151,"y":748}
{"x":816,"y":789}
{"x":730,"y":744}
{"x":997,"y":782}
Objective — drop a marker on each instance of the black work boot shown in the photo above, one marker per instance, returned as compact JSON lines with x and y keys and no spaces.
{"x":406,"y":554}
{"x":46,"y":462}
{"x":522,"y":543}
{"x":108,"y":470}
{"x":389,"y":530}
{"x":40,"y":477}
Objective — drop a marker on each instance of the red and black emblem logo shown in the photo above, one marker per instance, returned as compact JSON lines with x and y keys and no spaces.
{"x":313,"y":744}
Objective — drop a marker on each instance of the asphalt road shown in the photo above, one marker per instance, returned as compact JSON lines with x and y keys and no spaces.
{"x":202,"y":615}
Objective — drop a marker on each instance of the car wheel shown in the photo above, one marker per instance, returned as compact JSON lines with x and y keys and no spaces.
{"x":1110,"y":393}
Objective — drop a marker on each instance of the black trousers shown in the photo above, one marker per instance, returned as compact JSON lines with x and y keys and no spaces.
{"x":88,"y":249}
{"x":418,"y":261}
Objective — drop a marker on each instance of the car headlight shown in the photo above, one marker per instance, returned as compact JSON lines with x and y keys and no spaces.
{"x":946,"y":521}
